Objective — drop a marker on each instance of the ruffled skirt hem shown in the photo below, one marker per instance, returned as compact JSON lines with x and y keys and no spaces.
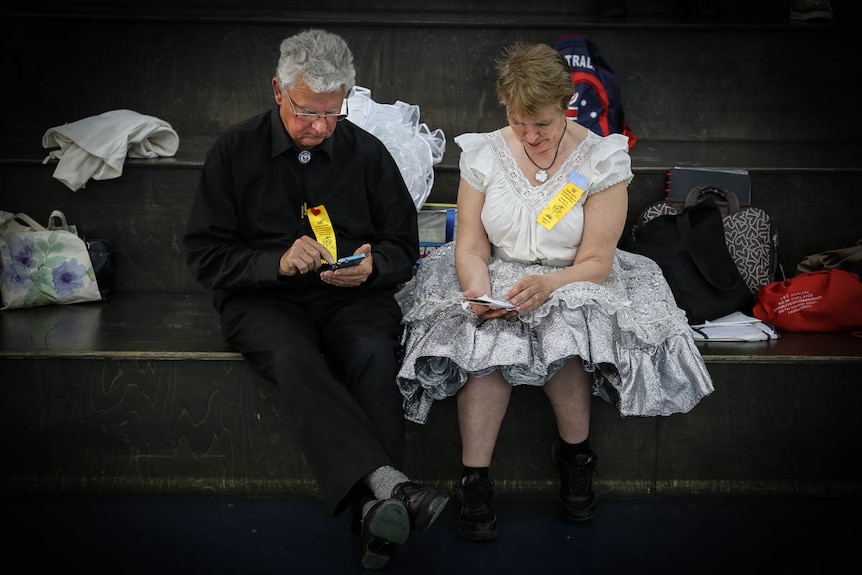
{"x":628,"y":332}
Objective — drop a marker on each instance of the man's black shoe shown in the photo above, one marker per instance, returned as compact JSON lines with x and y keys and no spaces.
{"x":576,"y":484}
{"x":475,"y":520}
{"x":385,"y":525}
{"x":423,"y":503}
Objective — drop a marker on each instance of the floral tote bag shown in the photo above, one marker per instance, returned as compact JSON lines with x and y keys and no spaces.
{"x":43,"y":265}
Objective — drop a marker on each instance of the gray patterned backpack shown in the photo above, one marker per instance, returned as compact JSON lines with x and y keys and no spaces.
{"x":749,"y":231}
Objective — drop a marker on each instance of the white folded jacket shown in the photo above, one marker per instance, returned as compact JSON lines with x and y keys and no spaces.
{"x":96,"y":147}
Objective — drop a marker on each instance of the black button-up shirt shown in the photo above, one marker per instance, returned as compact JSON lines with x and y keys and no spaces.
{"x":248,"y":207}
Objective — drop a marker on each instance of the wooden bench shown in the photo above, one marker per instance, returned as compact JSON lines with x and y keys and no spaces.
{"x":141,"y":396}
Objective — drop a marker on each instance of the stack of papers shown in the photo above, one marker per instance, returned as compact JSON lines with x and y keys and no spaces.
{"x":489,"y":301}
{"x":734,"y":327}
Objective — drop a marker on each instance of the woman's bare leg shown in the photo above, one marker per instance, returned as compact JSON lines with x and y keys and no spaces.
{"x":570,"y":392}
{"x":482,"y":404}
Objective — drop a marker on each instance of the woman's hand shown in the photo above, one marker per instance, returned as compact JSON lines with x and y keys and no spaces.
{"x":485,"y":312}
{"x":530,"y":292}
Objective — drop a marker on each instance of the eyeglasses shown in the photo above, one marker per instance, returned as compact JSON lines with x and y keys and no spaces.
{"x":310,"y":117}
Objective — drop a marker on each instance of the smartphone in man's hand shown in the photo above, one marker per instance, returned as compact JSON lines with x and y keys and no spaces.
{"x":347,"y":262}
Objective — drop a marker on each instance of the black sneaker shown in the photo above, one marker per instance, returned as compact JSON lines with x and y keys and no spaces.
{"x":475,"y":520}
{"x":576,"y":484}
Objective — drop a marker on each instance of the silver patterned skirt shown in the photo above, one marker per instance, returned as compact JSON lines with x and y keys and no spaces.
{"x":628,"y":332}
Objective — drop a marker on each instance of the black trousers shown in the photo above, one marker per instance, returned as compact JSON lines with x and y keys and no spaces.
{"x":333,"y":353}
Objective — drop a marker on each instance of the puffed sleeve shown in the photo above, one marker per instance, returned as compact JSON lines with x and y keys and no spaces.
{"x":476,"y":159}
{"x":611,"y":163}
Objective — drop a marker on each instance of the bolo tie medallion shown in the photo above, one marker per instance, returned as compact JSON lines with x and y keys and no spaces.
{"x":304,"y":157}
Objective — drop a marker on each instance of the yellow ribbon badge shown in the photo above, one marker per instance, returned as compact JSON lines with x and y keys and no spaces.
{"x":564,"y":201}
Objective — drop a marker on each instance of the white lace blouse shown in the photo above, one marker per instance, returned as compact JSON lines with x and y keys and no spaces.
{"x":512,"y":202}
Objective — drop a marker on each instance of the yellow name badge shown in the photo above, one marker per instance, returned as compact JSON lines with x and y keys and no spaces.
{"x":564,"y":201}
{"x":321,"y":225}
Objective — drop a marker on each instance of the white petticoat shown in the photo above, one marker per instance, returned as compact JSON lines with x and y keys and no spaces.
{"x":628,"y":331}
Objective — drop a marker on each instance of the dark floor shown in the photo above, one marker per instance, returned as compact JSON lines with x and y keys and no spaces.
{"x":287,"y":536}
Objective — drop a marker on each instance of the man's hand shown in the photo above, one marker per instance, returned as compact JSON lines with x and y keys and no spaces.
{"x":304,"y":256}
{"x":354,"y":275}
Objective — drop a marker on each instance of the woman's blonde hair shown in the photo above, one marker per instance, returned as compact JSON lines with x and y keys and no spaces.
{"x":531,"y":76}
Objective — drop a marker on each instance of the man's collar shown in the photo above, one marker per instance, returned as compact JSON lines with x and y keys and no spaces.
{"x":281,"y":141}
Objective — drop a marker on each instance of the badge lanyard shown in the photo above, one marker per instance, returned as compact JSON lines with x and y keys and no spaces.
{"x":321,"y":225}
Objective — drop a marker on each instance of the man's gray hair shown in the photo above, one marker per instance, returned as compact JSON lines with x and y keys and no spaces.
{"x":322,"y":59}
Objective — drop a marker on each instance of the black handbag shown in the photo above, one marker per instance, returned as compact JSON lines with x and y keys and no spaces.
{"x":102,"y":257}
{"x":749,"y":232}
{"x":691,"y":251}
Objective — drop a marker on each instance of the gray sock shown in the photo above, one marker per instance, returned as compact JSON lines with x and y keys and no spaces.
{"x":383,"y":480}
